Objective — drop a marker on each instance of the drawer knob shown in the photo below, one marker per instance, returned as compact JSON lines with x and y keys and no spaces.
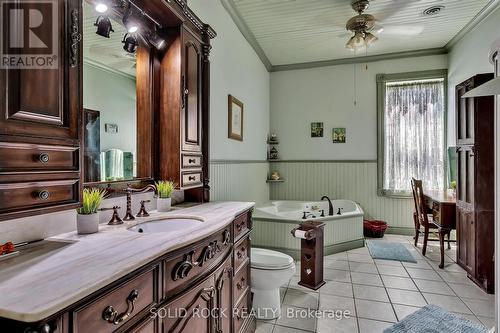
{"x":239,"y":226}
{"x":192,"y":178}
{"x":44,"y":158}
{"x":113,"y":317}
{"x":191,"y":161}
{"x":43,"y":195}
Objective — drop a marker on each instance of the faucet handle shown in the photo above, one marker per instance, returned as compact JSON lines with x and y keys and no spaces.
{"x":322,"y":213}
{"x":142,"y":211}
{"x":115,"y":219}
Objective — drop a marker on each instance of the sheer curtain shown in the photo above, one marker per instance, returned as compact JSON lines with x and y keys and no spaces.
{"x":414,"y":135}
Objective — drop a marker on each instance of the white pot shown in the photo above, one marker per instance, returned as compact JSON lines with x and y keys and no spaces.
{"x":163,"y":204}
{"x":87,"y":224}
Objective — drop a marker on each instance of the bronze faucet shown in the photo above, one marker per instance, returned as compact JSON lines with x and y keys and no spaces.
{"x":115,"y":219}
{"x":129,"y":190}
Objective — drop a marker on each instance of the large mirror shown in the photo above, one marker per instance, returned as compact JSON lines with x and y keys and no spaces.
{"x":109,"y":98}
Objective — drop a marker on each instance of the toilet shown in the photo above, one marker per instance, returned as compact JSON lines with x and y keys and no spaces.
{"x":270,"y":270}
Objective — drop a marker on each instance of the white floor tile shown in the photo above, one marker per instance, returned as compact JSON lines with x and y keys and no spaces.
{"x":367,"y":279}
{"x":404,"y":310}
{"x":449,"y":303}
{"x":302,"y":299}
{"x":344,"y":325}
{"x":434,"y":287}
{"x":372,"y":326}
{"x":370,"y":293}
{"x":406,"y":297}
{"x":392,"y":270}
{"x":359,"y":257}
{"x":423,"y":274}
{"x":361,"y":267}
{"x":337,"y":288}
{"x":481,"y":308}
{"x":263,"y":327}
{"x":334,"y":303}
{"x":337,"y":275}
{"x":388,"y":262}
{"x":337,"y":264}
{"x":293,"y":317}
{"x":422,"y":264}
{"x":375,"y":310}
{"x":397,"y":282}
{"x":471,"y":291}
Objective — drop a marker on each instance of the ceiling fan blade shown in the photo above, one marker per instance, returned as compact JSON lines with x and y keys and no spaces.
{"x":399,"y":30}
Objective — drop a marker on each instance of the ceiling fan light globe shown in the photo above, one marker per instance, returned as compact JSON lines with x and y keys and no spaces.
{"x":370,"y":38}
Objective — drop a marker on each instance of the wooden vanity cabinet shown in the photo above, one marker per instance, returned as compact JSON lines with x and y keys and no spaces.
{"x":201,"y":288}
{"x":40,"y":153}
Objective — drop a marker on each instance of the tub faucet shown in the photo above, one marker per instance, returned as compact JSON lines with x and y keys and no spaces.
{"x":330,"y":206}
{"x":307,"y":215}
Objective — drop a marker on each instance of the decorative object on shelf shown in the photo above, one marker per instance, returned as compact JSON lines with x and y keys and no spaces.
{"x":273,"y":139}
{"x":235,"y":118}
{"x":111,"y":128}
{"x":316,"y":130}
{"x":87,"y":219}
{"x":275,"y":175}
{"x":339,"y":135}
{"x":273,"y":154}
{"x":164,"y":191}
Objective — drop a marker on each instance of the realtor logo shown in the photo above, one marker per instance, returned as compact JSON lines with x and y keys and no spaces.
{"x":28,"y":34}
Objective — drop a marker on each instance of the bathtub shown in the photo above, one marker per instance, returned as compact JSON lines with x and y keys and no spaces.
{"x":274,"y":220}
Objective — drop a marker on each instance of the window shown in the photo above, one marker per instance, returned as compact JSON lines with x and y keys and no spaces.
{"x":411,"y":131}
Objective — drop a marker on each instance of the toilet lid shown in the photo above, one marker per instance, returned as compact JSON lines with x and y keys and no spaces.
{"x":267,"y":259}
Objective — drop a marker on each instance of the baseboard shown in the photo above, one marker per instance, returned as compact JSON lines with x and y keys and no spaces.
{"x":405,"y":231}
{"x":328,"y":250}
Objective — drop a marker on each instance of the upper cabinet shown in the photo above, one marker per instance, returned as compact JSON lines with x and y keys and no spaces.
{"x":40,"y":109}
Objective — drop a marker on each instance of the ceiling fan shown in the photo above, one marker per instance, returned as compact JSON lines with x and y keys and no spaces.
{"x":364,"y":26}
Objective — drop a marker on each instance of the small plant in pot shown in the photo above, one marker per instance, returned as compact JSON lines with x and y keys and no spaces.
{"x":164,"y":191}
{"x":87,"y":219}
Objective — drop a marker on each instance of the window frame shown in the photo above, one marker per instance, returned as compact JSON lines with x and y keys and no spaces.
{"x":382,"y":81}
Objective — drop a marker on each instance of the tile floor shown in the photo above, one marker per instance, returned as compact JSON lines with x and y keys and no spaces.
{"x":378,"y":293}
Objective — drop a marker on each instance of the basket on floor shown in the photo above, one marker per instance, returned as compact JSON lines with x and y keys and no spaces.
{"x":374,"y":228}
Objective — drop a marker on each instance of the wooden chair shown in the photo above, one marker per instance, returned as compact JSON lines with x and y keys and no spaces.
{"x":425,"y":220}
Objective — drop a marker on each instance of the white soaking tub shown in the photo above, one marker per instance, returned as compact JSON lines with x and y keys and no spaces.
{"x":273,"y":222}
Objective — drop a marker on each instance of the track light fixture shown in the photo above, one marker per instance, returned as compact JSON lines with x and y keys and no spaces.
{"x":104,"y":27}
{"x":130,"y":42}
{"x":155,"y":39}
{"x":130,"y":22}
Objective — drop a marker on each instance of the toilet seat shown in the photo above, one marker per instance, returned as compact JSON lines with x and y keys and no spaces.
{"x":270,"y":260}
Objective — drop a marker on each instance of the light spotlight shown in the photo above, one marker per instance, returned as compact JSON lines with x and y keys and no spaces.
{"x":101,"y":7}
{"x":130,"y":22}
{"x":132,"y":29}
{"x":129,"y":43}
{"x":104,"y":26}
{"x":156,"y":40}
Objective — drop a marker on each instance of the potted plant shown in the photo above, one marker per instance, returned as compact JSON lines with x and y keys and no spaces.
{"x":87,"y":219}
{"x":164,"y":191}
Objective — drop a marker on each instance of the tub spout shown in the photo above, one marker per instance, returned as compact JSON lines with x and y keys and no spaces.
{"x":330,"y":206}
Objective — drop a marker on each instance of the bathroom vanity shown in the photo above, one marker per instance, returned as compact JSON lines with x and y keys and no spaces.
{"x":123,"y":281}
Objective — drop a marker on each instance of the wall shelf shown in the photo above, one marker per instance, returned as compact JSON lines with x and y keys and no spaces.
{"x":271,"y":181}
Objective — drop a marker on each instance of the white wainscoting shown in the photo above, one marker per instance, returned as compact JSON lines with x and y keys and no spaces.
{"x":239,"y":181}
{"x":355,"y":181}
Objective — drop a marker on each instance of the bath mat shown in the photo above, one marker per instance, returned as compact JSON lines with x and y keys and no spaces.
{"x":433,"y":319}
{"x":389,"y":251}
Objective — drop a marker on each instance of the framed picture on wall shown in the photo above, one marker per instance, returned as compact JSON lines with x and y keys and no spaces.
{"x":316,"y":130}
{"x":339,"y":135}
{"x":235,"y":118}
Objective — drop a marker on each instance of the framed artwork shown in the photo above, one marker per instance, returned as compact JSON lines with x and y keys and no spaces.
{"x":339,"y":135}
{"x":111,"y":128}
{"x":316,"y":130}
{"x":235,"y":119}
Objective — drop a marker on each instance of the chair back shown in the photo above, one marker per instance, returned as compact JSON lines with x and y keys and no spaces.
{"x":420,"y":203}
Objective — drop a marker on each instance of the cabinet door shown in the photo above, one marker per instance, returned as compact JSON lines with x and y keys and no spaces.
{"x":43,"y":101}
{"x":191,"y":311}
{"x":191,"y":104}
{"x":465,"y":114}
{"x":465,"y":174}
{"x":466,"y":235}
{"x":223,"y":284}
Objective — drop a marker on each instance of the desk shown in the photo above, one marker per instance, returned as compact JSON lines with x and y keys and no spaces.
{"x":443,"y":206}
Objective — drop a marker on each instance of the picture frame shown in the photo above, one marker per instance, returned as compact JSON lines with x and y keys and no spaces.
{"x":339,"y":135}
{"x":111,"y":128}
{"x":317,"y":130}
{"x":235,"y":118}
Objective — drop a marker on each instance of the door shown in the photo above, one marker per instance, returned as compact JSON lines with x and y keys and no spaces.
{"x":465,"y":114}
{"x":191,"y":102}
{"x":42,"y":98}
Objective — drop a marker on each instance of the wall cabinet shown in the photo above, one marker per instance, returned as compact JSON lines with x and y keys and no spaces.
{"x":202,"y":288}
{"x":475,"y":190}
{"x":40,"y":124}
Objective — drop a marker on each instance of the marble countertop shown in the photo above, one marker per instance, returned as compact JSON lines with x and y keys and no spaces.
{"x":69,"y":267}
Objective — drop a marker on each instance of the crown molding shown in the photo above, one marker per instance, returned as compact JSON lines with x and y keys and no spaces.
{"x":245,"y":31}
{"x":357,"y":60}
{"x":100,"y":66}
{"x":490,"y":7}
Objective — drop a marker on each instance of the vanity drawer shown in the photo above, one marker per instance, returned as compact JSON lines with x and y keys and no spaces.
{"x":38,"y":194}
{"x":191,"y":161}
{"x":25,"y":157}
{"x":117,"y":307}
{"x":241,"y":282}
{"x":241,"y":225}
{"x":186,"y":267}
{"x":241,"y":253}
{"x":190,"y":179}
{"x":241,"y":313}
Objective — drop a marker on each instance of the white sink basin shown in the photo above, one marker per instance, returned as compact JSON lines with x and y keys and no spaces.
{"x":166,"y":225}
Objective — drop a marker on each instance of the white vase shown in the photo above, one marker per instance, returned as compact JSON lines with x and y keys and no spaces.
{"x":87,"y":224}
{"x":163,"y":204}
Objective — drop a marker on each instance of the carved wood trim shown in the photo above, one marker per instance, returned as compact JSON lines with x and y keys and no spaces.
{"x":75,"y":38}
{"x":207,"y":295}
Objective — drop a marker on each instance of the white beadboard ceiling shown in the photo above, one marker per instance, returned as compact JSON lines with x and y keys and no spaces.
{"x":302,"y":31}
{"x":105,"y":52}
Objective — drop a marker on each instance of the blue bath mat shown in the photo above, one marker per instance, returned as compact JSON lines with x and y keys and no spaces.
{"x":389,"y":251}
{"x":433,"y":319}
